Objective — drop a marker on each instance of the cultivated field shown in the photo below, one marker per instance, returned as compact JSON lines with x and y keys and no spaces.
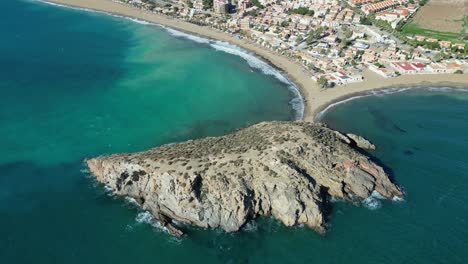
{"x":442,"y":15}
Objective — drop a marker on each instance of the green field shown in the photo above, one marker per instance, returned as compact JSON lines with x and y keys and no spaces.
{"x":411,"y":29}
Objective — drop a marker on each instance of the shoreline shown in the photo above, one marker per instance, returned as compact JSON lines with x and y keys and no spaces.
{"x":315,"y":99}
{"x":393,"y":89}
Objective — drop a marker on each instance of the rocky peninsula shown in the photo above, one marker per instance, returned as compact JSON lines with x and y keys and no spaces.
{"x":287,"y":170}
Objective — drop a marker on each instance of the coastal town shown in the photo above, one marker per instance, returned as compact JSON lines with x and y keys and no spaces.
{"x":336,"y":42}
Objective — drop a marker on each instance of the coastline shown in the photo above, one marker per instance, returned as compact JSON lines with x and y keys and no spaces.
{"x":392,"y":89}
{"x":315,"y":99}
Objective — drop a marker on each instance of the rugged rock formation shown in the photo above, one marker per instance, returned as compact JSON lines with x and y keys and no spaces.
{"x":287,"y":170}
{"x":361,"y":142}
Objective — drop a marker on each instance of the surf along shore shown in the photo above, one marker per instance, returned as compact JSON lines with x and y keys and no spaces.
{"x":315,"y":98}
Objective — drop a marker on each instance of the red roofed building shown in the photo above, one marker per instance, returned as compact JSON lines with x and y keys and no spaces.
{"x":412,"y":7}
{"x":418,"y":65}
{"x":379,"y":6}
{"x":404,"y":67}
{"x":360,"y":2}
{"x":402,"y":11}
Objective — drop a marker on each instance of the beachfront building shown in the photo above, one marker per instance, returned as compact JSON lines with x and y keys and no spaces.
{"x":404,"y":67}
{"x":329,"y":42}
{"x":197,"y":5}
{"x":382,"y":71}
{"x":221,"y":6}
{"x":449,"y":67}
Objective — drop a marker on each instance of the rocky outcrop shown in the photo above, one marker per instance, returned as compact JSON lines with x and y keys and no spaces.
{"x":361,"y":142}
{"x":287,"y":170}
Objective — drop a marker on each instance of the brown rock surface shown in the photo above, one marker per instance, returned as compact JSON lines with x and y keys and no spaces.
{"x":286,"y":170}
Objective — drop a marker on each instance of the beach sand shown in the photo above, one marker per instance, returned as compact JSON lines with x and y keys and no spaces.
{"x":315,"y":98}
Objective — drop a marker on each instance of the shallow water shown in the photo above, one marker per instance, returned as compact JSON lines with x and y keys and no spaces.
{"x":89,"y":84}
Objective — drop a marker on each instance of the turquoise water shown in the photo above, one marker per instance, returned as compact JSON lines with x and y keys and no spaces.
{"x":76,"y":84}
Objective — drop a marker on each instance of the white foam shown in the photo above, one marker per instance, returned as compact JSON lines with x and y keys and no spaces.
{"x":334,"y":199}
{"x":136,"y":20}
{"x":107,"y":189}
{"x":194,"y":38}
{"x":373,"y":201}
{"x":144,"y":218}
{"x":377,"y":195}
{"x":131,"y":201}
{"x":72,"y":7}
{"x":297,"y":103}
{"x":387,"y":91}
{"x":330,"y":106}
{"x":250,"y":227}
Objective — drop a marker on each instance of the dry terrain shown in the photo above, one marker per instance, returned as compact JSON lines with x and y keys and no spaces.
{"x":442,"y":15}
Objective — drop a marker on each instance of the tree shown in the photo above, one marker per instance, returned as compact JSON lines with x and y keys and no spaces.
{"x":314,"y":35}
{"x":322,"y":81}
{"x":438,"y":57}
{"x":365,"y":21}
{"x":151,"y":6}
{"x":207,"y":4}
{"x":349,"y":34}
{"x":458,"y":71}
{"x":344,"y":43}
{"x":257,"y":4}
{"x":432,"y":45}
{"x":253,"y":13}
{"x":302,"y":11}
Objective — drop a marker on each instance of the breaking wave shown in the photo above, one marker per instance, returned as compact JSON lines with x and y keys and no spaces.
{"x":181,"y":34}
{"x":296,"y":102}
{"x":144,"y":218}
{"x":373,"y":201}
{"x":387,"y":91}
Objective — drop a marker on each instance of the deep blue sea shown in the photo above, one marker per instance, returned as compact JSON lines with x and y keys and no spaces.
{"x":76,"y":84}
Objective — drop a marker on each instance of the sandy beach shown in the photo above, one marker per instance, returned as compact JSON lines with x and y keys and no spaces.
{"x":315,"y":98}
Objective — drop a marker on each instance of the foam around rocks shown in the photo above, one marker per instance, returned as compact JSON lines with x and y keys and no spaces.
{"x":286,"y":170}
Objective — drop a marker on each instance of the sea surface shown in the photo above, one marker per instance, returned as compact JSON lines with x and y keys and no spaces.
{"x":77,"y":84}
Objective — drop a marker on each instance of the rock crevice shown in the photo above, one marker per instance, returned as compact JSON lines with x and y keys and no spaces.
{"x":286,"y":170}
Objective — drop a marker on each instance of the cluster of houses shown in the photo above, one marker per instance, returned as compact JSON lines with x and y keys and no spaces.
{"x":325,"y":36}
{"x":444,"y":45}
{"x":391,"y":11}
{"x":404,"y":67}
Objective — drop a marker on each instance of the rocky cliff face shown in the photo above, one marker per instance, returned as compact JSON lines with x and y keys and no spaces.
{"x":287,"y":170}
